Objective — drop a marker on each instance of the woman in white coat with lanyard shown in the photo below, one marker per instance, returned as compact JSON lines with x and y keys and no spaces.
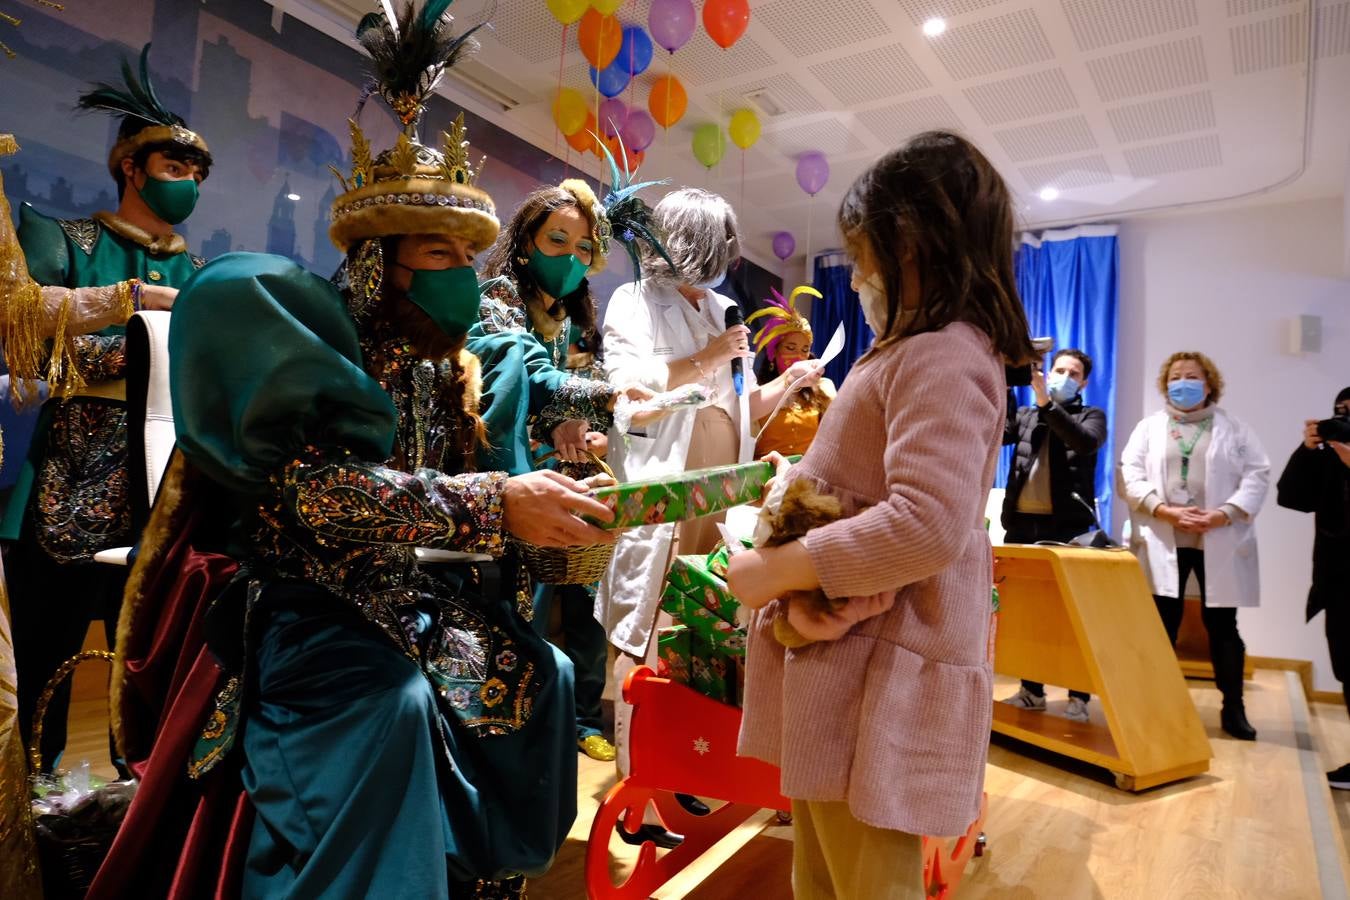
{"x":666,"y":330}
{"x":1195,"y":477}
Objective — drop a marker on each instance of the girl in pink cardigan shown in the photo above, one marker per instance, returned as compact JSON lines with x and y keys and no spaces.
{"x":881,"y":725}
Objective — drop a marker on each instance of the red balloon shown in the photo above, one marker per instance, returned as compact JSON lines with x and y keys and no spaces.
{"x":726,"y":20}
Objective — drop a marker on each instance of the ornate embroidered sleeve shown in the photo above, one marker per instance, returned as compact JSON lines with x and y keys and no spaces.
{"x":575,"y":398}
{"x":366,"y":503}
{"x":498,"y":315}
{"x":101,"y":357}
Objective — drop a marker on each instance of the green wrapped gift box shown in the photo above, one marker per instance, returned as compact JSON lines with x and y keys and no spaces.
{"x":672,"y":653}
{"x":688,"y":495}
{"x":712,"y":673}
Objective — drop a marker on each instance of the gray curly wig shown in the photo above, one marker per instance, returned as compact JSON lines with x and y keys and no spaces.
{"x":701,"y":236}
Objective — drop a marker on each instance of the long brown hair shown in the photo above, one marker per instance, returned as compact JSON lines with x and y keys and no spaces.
{"x":517,"y":240}
{"x":938,"y":201}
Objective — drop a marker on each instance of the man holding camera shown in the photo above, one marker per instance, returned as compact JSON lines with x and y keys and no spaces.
{"x":1317,"y":480}
{"x":1053,"y":474}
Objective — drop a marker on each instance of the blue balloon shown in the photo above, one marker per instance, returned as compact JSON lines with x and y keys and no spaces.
{"x":611,"y":81}
{"x":635,"y":53}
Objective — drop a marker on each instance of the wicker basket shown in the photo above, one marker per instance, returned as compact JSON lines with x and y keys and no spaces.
{"x":568,"y":565}
{"x":68,"y":856}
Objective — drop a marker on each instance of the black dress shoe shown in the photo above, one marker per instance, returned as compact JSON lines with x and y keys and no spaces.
{"x":692,"y":805}
{"x":666,"y":840}
{"x":1233,"y":720}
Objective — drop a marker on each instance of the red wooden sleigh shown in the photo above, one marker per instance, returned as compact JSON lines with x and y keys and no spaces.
{"x":690,"y":748}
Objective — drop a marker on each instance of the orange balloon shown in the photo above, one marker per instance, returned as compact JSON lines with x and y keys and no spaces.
{"x":583,"y":141}
{"x":726,"y":20}
{"x":667,"y":101}
{"x":635,"y":159}
{"x":600,"y":38}
{"x":614,"y":150}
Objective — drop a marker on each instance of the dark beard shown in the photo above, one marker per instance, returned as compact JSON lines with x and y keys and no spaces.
{"x":407,"y":320}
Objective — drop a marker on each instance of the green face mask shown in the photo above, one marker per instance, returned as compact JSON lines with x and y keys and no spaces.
{"x":558,"y":275}
{"x":172,"y":201}
{"x":449,"y":296}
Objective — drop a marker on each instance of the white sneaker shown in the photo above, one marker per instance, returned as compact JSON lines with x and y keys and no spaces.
{"x":1025,"y":699}
{"x":1076,"y":710}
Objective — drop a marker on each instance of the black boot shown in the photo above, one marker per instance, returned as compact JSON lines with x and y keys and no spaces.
{"x":692,"y":805}
{"x":666,"y":840}
{"x":1229,"y":656}
{"x":1233,"y":720}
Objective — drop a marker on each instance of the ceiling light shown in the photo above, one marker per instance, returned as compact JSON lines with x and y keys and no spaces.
{"x":292,"y":197}
{"x":1049,"y":193}
{"x":934,"y":27}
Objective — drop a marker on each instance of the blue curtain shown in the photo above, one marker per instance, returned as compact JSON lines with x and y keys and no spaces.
{"x":840,"y":304}
{"x":1069,"y":285}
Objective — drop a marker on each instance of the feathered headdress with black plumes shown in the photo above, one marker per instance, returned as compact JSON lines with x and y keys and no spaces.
{"x":137,"y":102}
{"x":409,"y":53}
{"x":628,"y":219}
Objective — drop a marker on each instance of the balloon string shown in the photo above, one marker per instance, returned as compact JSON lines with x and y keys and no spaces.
{"x":810,"y":208}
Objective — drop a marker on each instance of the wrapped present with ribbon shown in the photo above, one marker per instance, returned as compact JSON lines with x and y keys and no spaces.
{"x":672,"y":653}
{"x":688,"y":495}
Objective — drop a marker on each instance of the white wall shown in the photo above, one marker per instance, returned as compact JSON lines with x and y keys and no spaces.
{"x":1226,"y":283}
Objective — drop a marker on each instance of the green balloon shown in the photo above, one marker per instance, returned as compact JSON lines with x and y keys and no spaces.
{"x":709,"y":144}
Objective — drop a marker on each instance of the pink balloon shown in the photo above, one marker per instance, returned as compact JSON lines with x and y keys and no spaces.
{"x":639,"y":131}
{"x":784,"y":244}
{"x":613,"y":116}
{"x":813,"y":171}
{"x":671,"y":22}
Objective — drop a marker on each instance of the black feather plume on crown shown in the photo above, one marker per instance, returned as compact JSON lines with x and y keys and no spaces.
{"x":136,"y":98}
{"x":408,"y":57}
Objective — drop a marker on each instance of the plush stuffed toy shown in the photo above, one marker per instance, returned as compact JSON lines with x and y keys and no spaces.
{"x":795,"y":510}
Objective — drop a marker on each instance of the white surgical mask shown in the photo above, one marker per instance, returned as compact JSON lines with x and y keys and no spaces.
{"x":872,"y":294}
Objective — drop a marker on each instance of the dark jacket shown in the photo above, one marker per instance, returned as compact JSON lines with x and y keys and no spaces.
{"x":1075,"y":433}
{"x":1316,"y":481}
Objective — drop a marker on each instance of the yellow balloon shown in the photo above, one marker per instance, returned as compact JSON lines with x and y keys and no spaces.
{"x":744,"y":128}
{"x":606,"y":7}
{"x":569,"y":111}
{"x":567,"y":11}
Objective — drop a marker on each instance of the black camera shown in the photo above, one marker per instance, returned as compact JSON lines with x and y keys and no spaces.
{"x":1337,"y":428}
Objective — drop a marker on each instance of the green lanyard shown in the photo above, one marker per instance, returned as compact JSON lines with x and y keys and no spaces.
{"x":1187,"y":448}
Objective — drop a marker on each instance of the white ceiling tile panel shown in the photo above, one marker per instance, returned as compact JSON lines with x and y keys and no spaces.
{"x":1269,"y":43}
{"x":1246,"y":7}
{"x":1333,"y":30}
{"x":786,"y":90}
{"x":846,"y":22}
{"x":1055,"y":137}
{"x":921,"y":11}
{"x":1177,"y":156}
{"x":830,"y":136}
{"x":893,"y":124}
{"x":769,"y":190}
{"x":1149,"y":70}
{"x":1066,"y":174}
{"x":1023,"y":97}
{"x":701,"y":61}
{"x":1102,"y":23}
{"x":518,"y":26}
{"x":871,"y":75}
{"x":993,"y":45}
{"x":1154,"y":119}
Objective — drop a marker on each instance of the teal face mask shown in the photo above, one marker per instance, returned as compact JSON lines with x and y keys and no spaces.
{"x":449,"y":296}
{"x":557,"y":275}
{"x":172,"y":201}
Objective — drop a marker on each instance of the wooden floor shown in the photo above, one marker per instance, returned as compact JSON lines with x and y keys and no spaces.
{"x":1061,"y":830}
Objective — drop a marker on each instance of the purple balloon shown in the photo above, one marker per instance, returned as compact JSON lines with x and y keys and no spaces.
{"x":813,"y":171}
{"x":639,"y":131}
{"x":671,"y":22}
{"x":784,"y":244}
{"x":613,"y":116}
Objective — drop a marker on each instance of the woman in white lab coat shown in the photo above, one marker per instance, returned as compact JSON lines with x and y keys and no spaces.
{"x":668,"y":330}
{"x":1195,"y":477}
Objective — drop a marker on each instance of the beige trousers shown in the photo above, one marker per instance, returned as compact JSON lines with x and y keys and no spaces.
{"x":715,"y":441}
{"x":836,"y":857}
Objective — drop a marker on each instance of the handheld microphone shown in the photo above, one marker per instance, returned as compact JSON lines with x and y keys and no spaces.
{"x":735,"y":317}
{"x":1098,"y":538}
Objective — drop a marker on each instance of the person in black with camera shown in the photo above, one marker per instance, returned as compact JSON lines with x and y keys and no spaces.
{"x":1317,"y":480}
{"x":1051,"y":482}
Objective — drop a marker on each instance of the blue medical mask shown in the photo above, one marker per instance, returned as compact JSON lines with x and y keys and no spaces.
{"x":1062,"y":387}
{"x":1186,"y":393}
{"x":717,"y":279}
